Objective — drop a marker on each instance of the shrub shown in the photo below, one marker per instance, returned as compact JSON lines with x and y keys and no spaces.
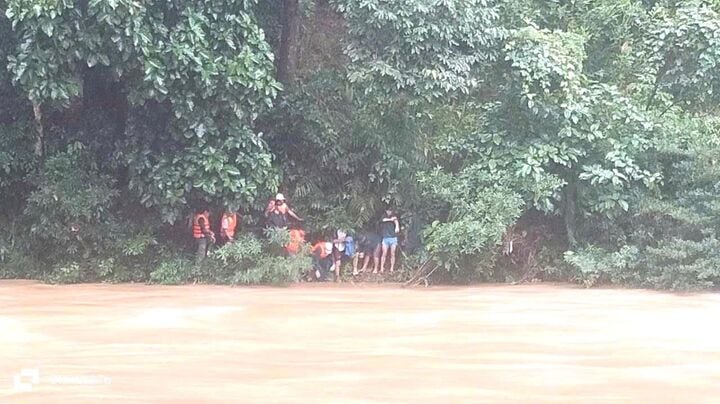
{"x":222,"y":263}
{"x":243,"y":251}
{"x":172,"y":272}
{"x":681,"y":264}
{"x":120,"y":269}
{"x":105,"y":268}
{"x":277,"y":239}
{"x":673,"y":264}
{"x":274,"y":270}
{"x":70,"y":209}
{"x":71,"y":272}
{"x":137,"y":244}
{"x":16,"y":265}
{"x":596,"y":265}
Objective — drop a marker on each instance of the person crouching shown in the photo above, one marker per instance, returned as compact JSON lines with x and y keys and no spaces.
{"x":322,"y":260}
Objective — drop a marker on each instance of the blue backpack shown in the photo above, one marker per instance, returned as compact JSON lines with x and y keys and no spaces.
{"x":349,"y":246}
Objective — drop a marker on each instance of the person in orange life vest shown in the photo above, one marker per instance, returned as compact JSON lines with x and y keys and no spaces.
{"x":322,"y":259}
{"x":277,"y":213}
{"x":201,"y":232}
{"x":228,"y":224}
{"x":297,"y":239}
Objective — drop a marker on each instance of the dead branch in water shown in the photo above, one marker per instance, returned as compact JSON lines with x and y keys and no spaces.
{"x":422,"y":274}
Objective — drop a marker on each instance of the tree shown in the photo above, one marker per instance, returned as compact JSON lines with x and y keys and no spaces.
{"x":428,"y":48}
{"x":195,"y":77}
{"x":289,"y":37}
{"x":682,"y":52}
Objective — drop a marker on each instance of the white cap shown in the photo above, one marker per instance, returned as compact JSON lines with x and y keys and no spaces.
{"x":279,"y":197}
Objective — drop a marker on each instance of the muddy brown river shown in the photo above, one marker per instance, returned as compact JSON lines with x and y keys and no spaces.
{"x":355,"y":343}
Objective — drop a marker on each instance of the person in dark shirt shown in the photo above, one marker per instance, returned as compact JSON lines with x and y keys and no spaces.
{"x":368,"y":246}
{"x":389,"y":229}
{"x":277,"y":213}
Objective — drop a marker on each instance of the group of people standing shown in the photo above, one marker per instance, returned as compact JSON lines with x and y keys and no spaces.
{"x":380,"y":246}
{"x":203,"y":234}
{"x":277,"y":215}
{"x":329,"y":253}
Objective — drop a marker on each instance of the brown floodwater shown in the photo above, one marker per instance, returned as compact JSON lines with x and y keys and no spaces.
{"x":355,"y":343}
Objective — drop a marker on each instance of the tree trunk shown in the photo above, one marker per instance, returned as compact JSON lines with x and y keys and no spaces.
{"x":569,"y":213}
{"x":39,"y":135}
{"x":288,"y":42}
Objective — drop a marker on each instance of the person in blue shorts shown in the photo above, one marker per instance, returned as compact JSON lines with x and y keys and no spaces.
{"x":389,"y":229}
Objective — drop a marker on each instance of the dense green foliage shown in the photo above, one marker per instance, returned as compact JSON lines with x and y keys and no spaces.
{"x":240,"y":262}
{"x":518,"y":139}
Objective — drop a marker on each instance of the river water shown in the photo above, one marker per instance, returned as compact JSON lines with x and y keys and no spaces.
{"x":355,"y":343}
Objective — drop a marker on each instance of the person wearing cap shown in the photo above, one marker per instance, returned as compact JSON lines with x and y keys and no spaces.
{"x":277,"y":212}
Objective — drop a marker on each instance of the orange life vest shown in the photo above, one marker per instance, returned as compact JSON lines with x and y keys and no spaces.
{"x":196,"y":230}
{"x":297,"y":238}
{"x":231,"y":220}
{"x":321,"y":249}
